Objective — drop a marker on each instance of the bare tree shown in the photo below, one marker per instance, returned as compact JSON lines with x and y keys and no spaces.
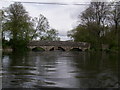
{"x":97,"y":12}
{"x":115,"y":14}
{"x":40,"y":26}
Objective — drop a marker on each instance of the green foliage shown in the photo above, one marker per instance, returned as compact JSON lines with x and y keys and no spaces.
{"x":41,"y":25}
{"x":5,"y":44}
{"x":80,"y":34}
{"x":100,"y":25}
{"x":85,"y":34}
{"x":51,"y":35}
{"x":17,"y":22}
{"x":1,"y":21}
{"x":19,"y":28}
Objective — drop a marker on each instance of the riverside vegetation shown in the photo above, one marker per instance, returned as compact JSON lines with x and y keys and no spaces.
{"x":18,"y":28}
{"x":99,"y":24}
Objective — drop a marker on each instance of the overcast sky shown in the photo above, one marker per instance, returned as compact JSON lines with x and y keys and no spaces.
{"x":61,"y":17}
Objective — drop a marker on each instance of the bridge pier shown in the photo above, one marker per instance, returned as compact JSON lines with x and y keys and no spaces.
{"x":67,"y":48}
{"x":55,"y":48}
{"x":47,"y":48}
{"x":31,"y":47}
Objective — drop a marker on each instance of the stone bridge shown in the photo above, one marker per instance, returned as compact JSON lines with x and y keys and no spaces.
{"x":57,"y":45}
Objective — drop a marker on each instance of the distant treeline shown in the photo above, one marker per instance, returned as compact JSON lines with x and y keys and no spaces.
{"x":99,"y":24}
{"x":18,"y":28}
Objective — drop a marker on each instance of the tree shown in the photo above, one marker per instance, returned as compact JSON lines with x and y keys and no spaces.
{"x":3,"y":42}
{"x":112,"y":36}
{"x":100,"y":24}
{"x":79,"y":34}
{"x":1,"y":19}
{"x":95,"y":25}
{"x":97,"y":13}
{"x":115,"y":15}
{"x":18,"y":24}
{"x":93,"y":21}
{"x":51,"y":35}
{"x":82,"y":33}
{"x":41,"y":30}
{"x":41,"y":25}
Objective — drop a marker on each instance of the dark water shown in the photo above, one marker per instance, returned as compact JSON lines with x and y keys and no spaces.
{"x":60,"y":69}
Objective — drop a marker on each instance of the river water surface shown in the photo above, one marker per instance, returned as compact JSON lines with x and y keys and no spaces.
{"x":59,"y":69}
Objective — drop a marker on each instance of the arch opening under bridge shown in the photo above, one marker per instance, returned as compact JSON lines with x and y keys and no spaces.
{"x":38,"y":49}
{"x":76,"y":49}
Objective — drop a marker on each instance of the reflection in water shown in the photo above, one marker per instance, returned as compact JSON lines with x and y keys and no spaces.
{"x":59,"y":69}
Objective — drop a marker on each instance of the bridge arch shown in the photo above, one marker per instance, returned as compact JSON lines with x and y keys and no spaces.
{"x":38,"y":49}
{"x":61,"y":48}
{"x":57,"y":48}
{"x":76,"y":49}
{"x":52,"y":49}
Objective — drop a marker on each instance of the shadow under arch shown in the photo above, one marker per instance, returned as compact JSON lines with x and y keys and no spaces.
{"x":76,"y":49}
{"x":52,"y":49}
{"x":36,"y":49}
{"x":57,"y":48}
{"x":61,"y":49}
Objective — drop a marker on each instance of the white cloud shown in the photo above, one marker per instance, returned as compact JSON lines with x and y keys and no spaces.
{"x":4,"y":3}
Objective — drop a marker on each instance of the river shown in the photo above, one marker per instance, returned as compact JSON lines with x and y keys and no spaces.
{"x":60,"y":69}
